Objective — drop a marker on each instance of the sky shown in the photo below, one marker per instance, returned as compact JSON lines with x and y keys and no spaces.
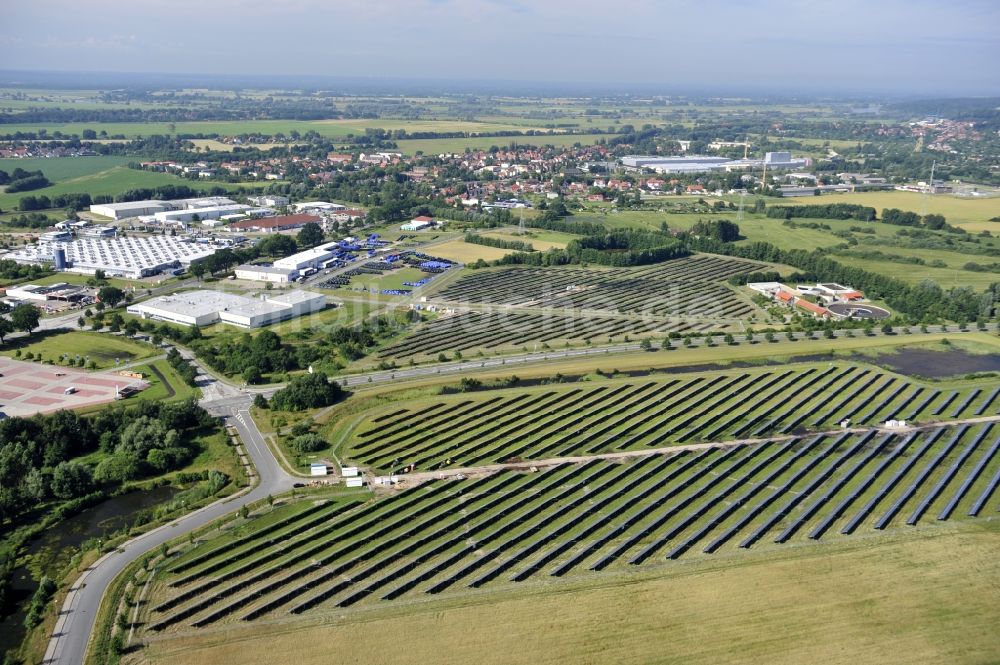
{"x":909,"y":47}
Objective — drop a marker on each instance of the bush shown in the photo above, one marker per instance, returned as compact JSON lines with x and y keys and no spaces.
{"x":46,"y":588}
{"x":308,"y":391}
{"x":308,"y":443}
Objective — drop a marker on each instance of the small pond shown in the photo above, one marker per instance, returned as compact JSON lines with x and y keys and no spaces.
{"x":54,"y":547}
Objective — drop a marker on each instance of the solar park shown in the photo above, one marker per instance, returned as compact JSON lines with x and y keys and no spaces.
{"x":521,"y":307}
{"x":635,"y":414}
{"x":452,"y":536}
{"x":690,"y":287}
{"x":586,"y":478}
{"x":514,"y":330}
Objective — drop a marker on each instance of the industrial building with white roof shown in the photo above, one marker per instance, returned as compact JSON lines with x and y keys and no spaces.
{"x":143,"y":208}
{"x":204,"y":307}
{"x":131,"y":257}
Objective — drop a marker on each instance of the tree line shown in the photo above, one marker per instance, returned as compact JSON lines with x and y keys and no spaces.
{"x":824,"y":211}
{"x":20,"y":180}
{"x":499,"y":243}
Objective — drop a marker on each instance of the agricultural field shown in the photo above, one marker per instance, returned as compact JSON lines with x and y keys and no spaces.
{"x":806,"y":234}
{"x":658,"y":410}
{"x":690,"y":287}
{"x":520,"y":531}
{"x":951,"y":276}
{"x":451,"y":146}
{"x":496,"y":331}
{"x":327,"y":128}
{"x":102,"y":349}
{"x":112,"y":180}
{"x":972,"y":214}
{"x":64,"y":168}
{"x":219,"y":146}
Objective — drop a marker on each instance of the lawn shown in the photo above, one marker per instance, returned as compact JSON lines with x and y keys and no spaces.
{"x":925,"y":599}
{"x":214,"y":453}
{"x":74,"y":278}
{"x":164,"y":383}
{"x":101,"y":348}
{"x":346,"y":313}
{"x":390,"y":280}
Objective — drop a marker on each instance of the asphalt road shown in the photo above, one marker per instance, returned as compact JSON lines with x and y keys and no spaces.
{"x":464,"y":366}
{"x":68,"y":644}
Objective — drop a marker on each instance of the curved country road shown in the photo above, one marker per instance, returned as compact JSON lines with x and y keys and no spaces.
{"x":68,"y":644}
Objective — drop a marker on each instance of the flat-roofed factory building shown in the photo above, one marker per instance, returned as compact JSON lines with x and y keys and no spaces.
{"x":204,"y":307}
{"x":132,"y":257}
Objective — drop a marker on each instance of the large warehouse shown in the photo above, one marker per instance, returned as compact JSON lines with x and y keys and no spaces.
{"x":189,"y":215}
{"x":707,"y":163}
{"x":143,"y":208}
{"x":202,"y":308}
{"x":131,"y":257}
{"x":686,"y":164}
{"x":262,"y":273}
{"x":130,"y":209}
{"x":310,"y":258}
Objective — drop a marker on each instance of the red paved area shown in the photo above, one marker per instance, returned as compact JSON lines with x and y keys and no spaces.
{"x":29,"y":388}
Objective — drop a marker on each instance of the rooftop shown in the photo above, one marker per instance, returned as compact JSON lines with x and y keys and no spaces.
{"x":277,"y":222}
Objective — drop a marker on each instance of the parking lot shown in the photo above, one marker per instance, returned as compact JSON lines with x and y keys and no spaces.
{"x":28,"y":388}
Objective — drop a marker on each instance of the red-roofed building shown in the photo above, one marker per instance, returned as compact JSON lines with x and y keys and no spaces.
{"x":339,"y":157}
{"x":784,"y":296}
{"x":812,"y":308}
{"x":275,"y":224}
